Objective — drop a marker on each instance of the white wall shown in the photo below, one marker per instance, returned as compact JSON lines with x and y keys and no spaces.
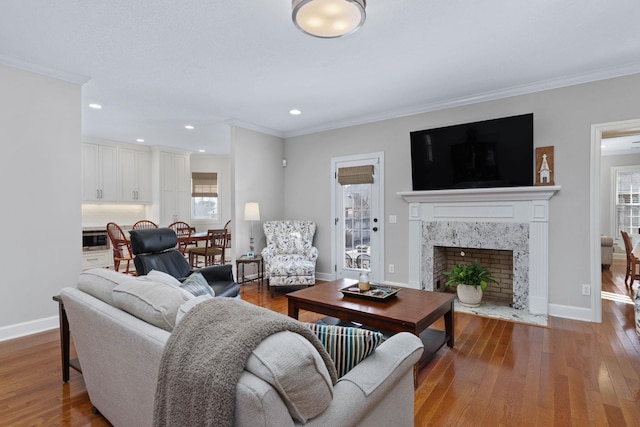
{"x":562,"y":118}
{"x":40,"y":131}
{"x":258,"y":176}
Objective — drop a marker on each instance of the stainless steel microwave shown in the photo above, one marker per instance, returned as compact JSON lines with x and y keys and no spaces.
{"x":95,"y":240}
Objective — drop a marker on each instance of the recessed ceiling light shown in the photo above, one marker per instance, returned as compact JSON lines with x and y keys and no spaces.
{"x":295,"y":112}
{"x":201,"y":151}
{"x":139,"y":140}
{"x":190,"y":127}
{"x":95,"y":106}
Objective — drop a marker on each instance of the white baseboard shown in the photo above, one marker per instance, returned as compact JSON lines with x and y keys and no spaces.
{"x":400,"y":285}
{"x":27,"y":328}
{"x":325,"y":276}
{"x":570,"y":312}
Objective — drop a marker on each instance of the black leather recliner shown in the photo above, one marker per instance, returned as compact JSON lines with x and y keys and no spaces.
{"x":155,"y":249}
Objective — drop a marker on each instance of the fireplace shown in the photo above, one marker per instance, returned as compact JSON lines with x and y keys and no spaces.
{"x":513,"y":219}
{"x":513,"y":237}
{"x":500,"y":262}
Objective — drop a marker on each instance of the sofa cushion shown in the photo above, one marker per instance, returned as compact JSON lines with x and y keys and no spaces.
{"x":347,"y":346}
{"x":153,"y":302}
{"x":292,"y":243}
{"x":197,"y":285}
{"x":298,"y":374}
{"x":291,"y":265}
{"x":185,"y":307}
{"x":162,"y":277}
{"x":99,"y":283}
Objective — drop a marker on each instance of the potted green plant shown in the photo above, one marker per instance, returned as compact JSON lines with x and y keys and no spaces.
{"x":470,"y":281}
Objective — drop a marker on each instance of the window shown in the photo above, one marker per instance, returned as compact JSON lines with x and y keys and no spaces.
{"x":204,"y":196}
{"x":356,"y":183}
{"x":627,"y":200}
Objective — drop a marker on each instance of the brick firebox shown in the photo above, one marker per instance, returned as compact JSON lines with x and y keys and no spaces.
{"x":500,"y":262}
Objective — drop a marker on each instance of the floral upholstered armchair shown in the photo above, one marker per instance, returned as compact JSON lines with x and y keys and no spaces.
{"x":290,"y":257}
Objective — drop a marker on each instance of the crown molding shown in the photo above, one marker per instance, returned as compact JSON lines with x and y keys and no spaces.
{"x":571,"y":80}
{"x":66,"y":76}
{"x":253,"y":127}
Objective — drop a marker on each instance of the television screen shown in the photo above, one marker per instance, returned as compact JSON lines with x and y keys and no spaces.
{"x":491,"y":153}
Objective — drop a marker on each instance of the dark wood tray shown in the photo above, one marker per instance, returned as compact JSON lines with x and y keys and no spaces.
{"x":376,"y":292}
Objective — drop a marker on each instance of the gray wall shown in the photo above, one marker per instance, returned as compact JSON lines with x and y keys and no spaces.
{"x":562,"y":118}
{"x":40,"y":131}
{"x":256,"y":168}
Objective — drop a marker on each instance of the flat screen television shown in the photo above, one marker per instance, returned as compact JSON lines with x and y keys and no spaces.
{"x":490,"y":153}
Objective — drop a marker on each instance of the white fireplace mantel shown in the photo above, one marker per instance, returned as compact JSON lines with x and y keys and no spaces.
{"x":505,"y":205}
{"x":481,"y":194}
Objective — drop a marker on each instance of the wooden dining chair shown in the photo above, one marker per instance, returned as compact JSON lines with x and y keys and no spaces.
{"x":227,"y":227}
{"x":183,"y":231}
{"x":144,"y":224}
{"x":121,"y":248}
{"x":214,"y":250}
{"x":631,"y":274}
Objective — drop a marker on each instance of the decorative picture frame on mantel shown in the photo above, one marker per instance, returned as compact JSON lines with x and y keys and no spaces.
{"x":544,"y":166}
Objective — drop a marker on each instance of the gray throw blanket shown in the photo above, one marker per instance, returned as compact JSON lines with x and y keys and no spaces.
{"x":205,"y":356}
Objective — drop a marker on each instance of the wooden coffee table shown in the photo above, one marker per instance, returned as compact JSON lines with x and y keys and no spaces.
{"x":412,"y":310}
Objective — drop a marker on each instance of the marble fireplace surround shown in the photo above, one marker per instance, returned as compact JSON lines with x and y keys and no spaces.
{"x":510,"y":218}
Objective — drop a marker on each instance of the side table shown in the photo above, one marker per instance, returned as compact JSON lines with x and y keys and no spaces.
{"x":65,"y":342}
{"x":243,"y":261}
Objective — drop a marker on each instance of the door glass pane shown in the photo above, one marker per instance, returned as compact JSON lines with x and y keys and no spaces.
{"x":357,"y":235}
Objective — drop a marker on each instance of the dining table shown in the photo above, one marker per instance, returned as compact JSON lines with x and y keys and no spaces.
{"x":201,"y":236}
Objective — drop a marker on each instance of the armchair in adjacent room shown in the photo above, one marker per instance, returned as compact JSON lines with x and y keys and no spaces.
{"x":155,"y":249}
{"x":290,"y":257}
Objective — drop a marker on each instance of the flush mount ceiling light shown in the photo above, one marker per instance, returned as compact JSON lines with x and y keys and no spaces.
{"x":328,"y":18}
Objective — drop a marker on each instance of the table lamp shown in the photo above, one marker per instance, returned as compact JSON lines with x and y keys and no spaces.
{"x":251,"y":213}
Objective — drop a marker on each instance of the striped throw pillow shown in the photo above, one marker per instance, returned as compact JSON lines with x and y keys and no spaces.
{"x":346,"y":346}
{"x":197,"y":285}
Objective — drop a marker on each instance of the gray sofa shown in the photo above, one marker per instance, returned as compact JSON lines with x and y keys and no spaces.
{"x":120,"y":355}
{"x":606,"y":251}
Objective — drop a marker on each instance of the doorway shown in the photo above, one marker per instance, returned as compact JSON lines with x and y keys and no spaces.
{"x":598,"y":132}
{"x":358,"y":213}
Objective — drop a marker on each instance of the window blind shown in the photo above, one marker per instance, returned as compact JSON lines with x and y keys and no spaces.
{"x":356,"y":175}
{"x":204,"y":184}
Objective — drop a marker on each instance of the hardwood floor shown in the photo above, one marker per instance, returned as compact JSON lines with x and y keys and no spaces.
{"x":572,"y":373}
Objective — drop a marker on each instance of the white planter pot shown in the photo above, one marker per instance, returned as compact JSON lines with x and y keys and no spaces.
{"x":469,"y":296}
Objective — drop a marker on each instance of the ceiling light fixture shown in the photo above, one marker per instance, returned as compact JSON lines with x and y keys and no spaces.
{"x":295,"y":112}
{"x":139,"y":140}
{"x":189,"y":127}
{"x":328,"y":18}
{"x":95,"y":106}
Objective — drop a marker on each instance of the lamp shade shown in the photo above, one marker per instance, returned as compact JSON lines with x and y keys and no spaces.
{"x":251,"y":211}
{"x":328,"y":18}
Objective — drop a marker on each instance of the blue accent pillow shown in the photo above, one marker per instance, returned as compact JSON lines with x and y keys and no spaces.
{"x":197,"y":285}
{"x":347,"y":346}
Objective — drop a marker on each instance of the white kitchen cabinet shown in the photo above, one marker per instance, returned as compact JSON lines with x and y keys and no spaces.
{"x":175,"y":187}
{"x":135,"y":175}
{"x":99,"y":173}
{"x":97,"y":259}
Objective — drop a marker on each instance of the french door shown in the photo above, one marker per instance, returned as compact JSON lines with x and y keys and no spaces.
{"x":358,"y":216}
